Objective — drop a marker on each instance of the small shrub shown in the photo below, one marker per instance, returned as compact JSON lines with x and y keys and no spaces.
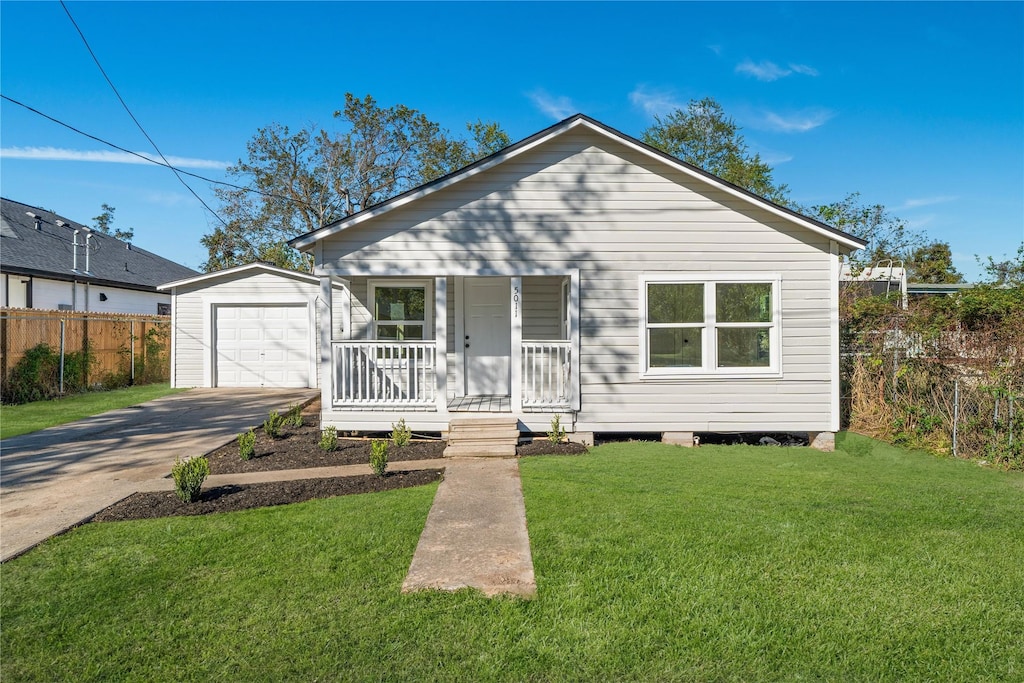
{"x":189,"y":475}
{"x":273,"y":424}
{"x":400,"y":434}
{"x":557,"y":433}
{"x":247,"y":444}
{"x":293,"y":417}
{"x":329,"y":439}
{"x":379,"y":456}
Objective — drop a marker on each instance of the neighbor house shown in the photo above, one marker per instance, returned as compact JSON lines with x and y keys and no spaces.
{"x":578,"y":273}
{"x":50,"y":262}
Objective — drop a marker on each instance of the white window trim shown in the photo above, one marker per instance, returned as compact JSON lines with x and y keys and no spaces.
{"x":708,"y":338}
{"x":428,"y":303}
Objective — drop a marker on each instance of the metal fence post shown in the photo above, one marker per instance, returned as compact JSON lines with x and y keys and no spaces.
{"x":956,"y":412}
{"x":131,"y":341}
{"x":1009,"y":419}
{"x":62,"y":357}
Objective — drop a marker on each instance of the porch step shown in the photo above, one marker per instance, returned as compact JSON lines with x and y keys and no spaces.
{"x":495,"y":436}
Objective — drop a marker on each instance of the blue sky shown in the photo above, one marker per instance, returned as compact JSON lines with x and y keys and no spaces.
{"x":917,"y":106}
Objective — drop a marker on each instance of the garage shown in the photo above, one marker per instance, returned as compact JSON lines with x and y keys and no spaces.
{"x":249,"y":326}
{"x":262,"y":346}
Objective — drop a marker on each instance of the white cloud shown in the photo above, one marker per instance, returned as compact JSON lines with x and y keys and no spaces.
{"x":167,"y":198}
{"x":796,"y":122}
{"x":774,"y":158}
{"x":770,"y":71}
{"x":926,"y":201}
{"x":762,"y":71}
{"x":61,"y":154}
{"x":804,"y":69}
{"x":654,"y":102}
{"x":556,"y":107}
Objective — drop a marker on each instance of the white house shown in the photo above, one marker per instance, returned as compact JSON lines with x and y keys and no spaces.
{"x":584,"y":274}
{"x":50,"y":262}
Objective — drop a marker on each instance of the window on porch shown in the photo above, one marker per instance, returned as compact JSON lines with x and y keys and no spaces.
{"x":401,"y":310}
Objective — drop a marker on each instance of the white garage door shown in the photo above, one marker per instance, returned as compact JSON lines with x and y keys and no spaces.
{"x":262,"y":346}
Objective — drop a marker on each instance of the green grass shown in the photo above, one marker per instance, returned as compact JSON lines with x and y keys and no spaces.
{"x":31,"y":417}
{"x":653,"y":563}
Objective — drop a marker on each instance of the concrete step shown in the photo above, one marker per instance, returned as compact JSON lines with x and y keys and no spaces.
{"x":488,"y":435}
{"x":495,"y":451}
{"x":460,"y":436}
{"x":489,"y":421}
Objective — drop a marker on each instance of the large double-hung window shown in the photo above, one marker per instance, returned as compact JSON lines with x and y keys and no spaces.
{"x":709,"y":325}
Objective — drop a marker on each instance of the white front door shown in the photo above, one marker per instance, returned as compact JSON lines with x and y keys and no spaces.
{"x":488,"y":337}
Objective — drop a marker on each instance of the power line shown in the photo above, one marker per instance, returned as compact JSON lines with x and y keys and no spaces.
{"x":143,"y":156}
{"x":125,"y":105}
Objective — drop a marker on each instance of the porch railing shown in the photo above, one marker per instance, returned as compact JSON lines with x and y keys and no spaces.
{"x":383,"y":373}
{"x":546,"y":374}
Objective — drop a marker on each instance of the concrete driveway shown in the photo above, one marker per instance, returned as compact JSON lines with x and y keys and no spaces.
{"x":53,"y":479}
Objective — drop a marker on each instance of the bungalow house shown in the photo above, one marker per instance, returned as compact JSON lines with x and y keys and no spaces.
{"x":578,"y":273}
{"x":51,"y":262}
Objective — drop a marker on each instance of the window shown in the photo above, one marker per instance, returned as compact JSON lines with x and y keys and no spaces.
{"x":717,"y":325}
{"x":401,"y":310}
{"x":163,"y":309}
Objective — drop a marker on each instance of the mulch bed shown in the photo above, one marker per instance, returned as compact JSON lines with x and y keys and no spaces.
{"x":299,"y":448}
{"x":150,"y":505}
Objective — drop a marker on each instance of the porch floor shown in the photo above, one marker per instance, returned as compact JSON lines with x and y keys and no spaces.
{"x":480,"y":404}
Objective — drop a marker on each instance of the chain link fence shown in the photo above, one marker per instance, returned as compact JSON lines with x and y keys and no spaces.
{"x":940,"y":396}
{"x":45,"y":354}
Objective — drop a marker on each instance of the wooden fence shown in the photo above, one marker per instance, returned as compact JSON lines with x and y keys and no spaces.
{"x":120,"y":348}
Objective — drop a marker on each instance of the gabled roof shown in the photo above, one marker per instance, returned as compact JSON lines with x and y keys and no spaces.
{"x":304,"y":242}
{"x":247,"y":269}
{"x":49,"y":251}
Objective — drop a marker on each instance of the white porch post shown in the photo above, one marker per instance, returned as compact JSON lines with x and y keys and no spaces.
{"x":516,"y":309}
{"x":574,"y":337}
{"x":441,"y":339}
{"x":325,"y":306}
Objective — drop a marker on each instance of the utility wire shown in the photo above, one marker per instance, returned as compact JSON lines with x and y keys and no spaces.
{"x":144,"y":157}
{"x":125,"y":105}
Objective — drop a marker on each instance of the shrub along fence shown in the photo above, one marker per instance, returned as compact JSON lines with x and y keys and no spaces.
{"x":44,"y":354}
{"x":946,"y":389}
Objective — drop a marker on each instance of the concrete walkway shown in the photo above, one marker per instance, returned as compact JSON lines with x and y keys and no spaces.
{"x":53,"y":479}
{"x":475,"y":536}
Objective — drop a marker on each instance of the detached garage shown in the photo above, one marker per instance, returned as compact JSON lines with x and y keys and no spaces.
{"x":250,"y":326}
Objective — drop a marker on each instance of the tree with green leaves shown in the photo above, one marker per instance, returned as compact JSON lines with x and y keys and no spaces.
{"x":1009,"y":271}
{"x":933,"y":264}
{"x":105,"y":221}
{"x":704,"y":136}
{"x":297,"y":182}
{"x":889,"y":238}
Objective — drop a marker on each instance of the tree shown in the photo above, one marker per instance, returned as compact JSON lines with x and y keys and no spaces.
{"x":704,"y":136}
{"x":888,"y":237}
{"x":105,"y":221}
{"x":297,"y":182}
{"x":1007,"y":272}
{"x":933,"y":264}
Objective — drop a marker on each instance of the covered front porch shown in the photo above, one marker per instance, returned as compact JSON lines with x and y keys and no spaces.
{"x":432,"y":349}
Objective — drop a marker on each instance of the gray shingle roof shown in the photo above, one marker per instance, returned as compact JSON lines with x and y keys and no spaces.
{"x":49,"y":251}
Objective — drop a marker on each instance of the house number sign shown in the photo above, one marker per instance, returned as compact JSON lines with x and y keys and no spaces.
{"x":515,"y":303}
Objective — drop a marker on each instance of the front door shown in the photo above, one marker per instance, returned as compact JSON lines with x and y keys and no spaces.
{"x":488,"y":342}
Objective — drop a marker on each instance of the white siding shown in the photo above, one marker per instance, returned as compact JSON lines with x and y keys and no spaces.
{"x":583,"y":201}
{"x":193,"y":315}
{"x":50,"y":295}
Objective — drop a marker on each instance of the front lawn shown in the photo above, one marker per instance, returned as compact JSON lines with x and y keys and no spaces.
{"x":653,"y":563}
{"x":31,"y":417}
